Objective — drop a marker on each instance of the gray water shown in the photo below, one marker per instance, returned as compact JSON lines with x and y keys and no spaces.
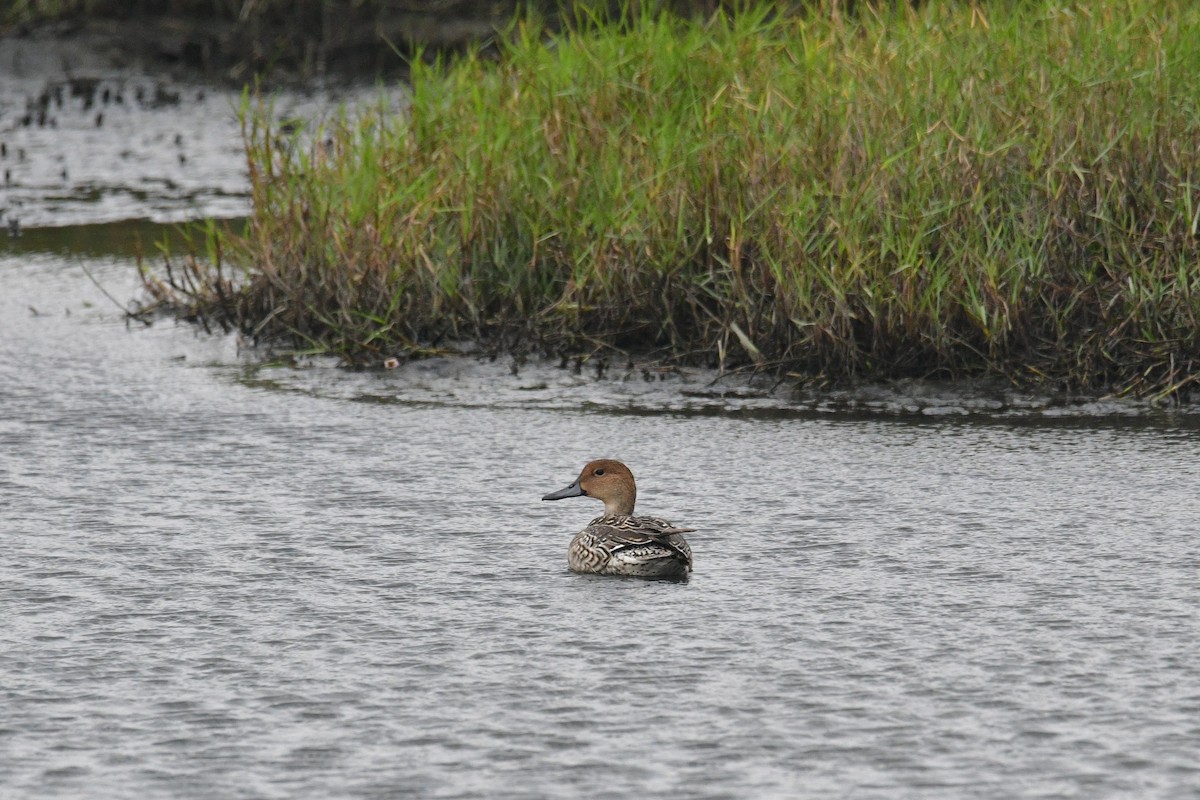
{"x":226,"y":578}
{"x":89,"y":135}
{"x":221,"y":579}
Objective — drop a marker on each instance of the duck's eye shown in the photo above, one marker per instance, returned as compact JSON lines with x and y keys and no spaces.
{"x":598,"y":472}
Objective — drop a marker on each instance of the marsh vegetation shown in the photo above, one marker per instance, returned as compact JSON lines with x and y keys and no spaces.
{"x":946,"y":191}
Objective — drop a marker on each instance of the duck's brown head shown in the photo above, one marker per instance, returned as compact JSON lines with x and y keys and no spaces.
{"x":608,"y":481}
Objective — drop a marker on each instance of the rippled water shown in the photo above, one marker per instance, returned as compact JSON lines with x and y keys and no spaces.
{"x":88,"y":134}
{"x":225,"y":580}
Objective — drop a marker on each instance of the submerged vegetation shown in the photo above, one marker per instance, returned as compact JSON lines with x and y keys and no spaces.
{"x":944,"y":191}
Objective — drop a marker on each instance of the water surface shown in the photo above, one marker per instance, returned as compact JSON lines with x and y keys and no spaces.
{"x":222,"y":579}
{"x":89,"y":134}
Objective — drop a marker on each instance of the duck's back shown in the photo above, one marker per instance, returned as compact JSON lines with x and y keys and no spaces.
{"x":645,"y":547}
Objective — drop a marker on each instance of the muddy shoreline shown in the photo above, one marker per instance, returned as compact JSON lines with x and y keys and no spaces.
{"x":363,"y":42}
{"x":225,"y":51}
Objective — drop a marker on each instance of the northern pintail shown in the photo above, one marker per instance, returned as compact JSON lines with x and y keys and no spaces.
{"x":618,"y":543}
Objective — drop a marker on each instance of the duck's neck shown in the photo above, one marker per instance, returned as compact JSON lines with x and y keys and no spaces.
{"x":620,"y":505}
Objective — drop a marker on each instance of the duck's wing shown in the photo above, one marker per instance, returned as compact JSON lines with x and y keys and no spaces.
{"x":641,"y":537}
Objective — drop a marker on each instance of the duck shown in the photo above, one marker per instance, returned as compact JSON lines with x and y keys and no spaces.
{"x":617,"y":542}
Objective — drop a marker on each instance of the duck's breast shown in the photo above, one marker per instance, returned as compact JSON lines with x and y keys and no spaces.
{"x":587,"y":552}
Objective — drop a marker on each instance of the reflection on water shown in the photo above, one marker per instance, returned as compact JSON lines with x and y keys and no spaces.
{"x":224,"y":580}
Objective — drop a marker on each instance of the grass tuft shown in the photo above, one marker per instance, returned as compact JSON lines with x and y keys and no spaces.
{"x":940,"y":191}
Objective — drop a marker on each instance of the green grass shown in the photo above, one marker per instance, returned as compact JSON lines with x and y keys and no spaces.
{"x":938,"y":192}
